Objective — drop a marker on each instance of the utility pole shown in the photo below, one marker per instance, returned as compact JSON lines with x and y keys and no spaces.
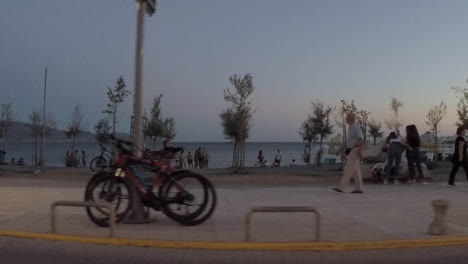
{"x":148,"y":6}
{"x":137,"y":213}
{"x":42,"y":160}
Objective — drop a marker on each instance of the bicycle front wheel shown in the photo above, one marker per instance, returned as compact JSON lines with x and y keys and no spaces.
{"x":188,"y":198}
{"x":105,"y":187}
{"x":99,"y":163}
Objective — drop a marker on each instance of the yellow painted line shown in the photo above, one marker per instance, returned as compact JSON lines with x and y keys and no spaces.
{"x":261,"y":246}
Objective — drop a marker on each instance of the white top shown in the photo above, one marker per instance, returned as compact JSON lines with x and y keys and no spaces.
{"x":354,"y":133}
{"x":278,"y":156}
{"x":395,"y":140}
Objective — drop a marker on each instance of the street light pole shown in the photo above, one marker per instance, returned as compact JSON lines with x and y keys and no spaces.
{"x":137,"y":95}
{"x":137,"y":214}
{"x":44,"y":121}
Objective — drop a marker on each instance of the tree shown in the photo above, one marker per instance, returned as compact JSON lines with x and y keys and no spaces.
{"x":158,"y":127}
{"x":75,"y":126}
{"x":36,"y":132}
{"x":434,"y":116}
{"x":320,"y":120}
{"x":236,"y":119}
{"x":35,"y":125}
{"x":168,"y":129}
{"x":395,"y":122}
{"x":374,"y":130}
{"x":116,"y":96}
{"x":343,"y":110}
{"x":308,"y":135}
{"x":102,"y":129}
{"x":462,"y":106}
{"x":362,"y":117}
{"x":5,"y":122}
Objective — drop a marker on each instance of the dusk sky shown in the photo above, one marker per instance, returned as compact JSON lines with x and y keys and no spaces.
{"x":297,"y":51}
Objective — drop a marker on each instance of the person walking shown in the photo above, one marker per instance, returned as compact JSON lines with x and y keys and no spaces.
{"x":459,"y":156}
{"x":413,"y":142}
{"x":395,"y":149}
{"x":190,"y":160}
{"x":353,"y":151}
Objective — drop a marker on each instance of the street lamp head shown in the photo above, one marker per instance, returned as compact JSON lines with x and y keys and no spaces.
{"x":151,"y":6}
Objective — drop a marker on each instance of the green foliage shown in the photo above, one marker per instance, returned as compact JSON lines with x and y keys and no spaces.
{"x":102,"y":130}
{"x":5,"y":120}
{"x":168,"y":129}
{"x":75,"y":125}
{"x":236,"y":120}
{"x":158,"y":127}
{"x":317,"y":126}
{"x":116,"y":96}
{"x":375,"y":130}
{"x":434,"y":116}
{"x":395,"y":122}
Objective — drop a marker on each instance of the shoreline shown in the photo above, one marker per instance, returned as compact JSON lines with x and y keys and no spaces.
{"x":255,"y":176}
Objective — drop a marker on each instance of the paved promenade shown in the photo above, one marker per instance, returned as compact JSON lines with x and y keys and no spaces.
{"x":390,"y":212}
{"x":381,"y":213}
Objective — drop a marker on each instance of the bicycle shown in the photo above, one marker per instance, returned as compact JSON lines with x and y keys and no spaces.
{"x":184,"y":196}
{"x":100,"y":162}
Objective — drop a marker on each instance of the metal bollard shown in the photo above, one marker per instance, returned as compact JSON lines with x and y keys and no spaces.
{"x":282,"y":209}
{"x":112,"y":218}
{"x":439,"y":224}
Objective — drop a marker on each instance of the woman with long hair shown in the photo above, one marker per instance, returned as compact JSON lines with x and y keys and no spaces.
{"x":459,"y":155}
{"x":413,"y":142}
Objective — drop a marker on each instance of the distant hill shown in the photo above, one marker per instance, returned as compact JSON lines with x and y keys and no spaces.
{"x":20,"y":131}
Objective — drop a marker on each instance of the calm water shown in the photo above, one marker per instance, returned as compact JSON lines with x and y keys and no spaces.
{"x":220,"y":153}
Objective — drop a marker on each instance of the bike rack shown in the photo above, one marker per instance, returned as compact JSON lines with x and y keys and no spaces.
{"x":84,"y":204}
{"x":282,"y":209}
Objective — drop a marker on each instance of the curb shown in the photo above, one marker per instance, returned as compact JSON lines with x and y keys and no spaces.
{"x":257,"y":246}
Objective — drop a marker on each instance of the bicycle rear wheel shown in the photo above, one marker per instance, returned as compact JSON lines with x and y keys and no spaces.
{"x":188,"y":198}
{"x":99,"y":163}
{"x":105,"y":187}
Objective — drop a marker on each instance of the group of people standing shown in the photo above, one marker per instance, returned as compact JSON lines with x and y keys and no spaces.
{"x":74,"y":159}
{"x":395,"y":146}
{"x":199,"y":160}
{"x":261,"y":161}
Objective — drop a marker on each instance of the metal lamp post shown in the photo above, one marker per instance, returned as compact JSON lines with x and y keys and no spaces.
{"x":137,"y":214}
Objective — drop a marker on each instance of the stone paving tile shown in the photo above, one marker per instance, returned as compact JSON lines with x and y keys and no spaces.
{"x":382,"y":212}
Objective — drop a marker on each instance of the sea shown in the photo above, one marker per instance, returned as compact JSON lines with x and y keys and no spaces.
{"x":220,"y":153}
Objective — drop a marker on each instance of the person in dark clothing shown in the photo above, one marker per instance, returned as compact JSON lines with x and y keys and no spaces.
{"x":413,"y":142}
{"x":395,"y":149}
{"x":459,"y":155}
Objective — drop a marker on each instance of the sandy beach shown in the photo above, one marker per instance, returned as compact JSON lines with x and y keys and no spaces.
{"x":268,"y":176}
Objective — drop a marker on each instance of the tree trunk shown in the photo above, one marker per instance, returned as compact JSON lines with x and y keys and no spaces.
{"x":234,"y":155}
{"x":436,"y":158}
{"x":309,"y":151}
{"x":365,"y":134}
{"x":319,"y":154}
{"x":375,"y":140}
{"x":73,"y":143}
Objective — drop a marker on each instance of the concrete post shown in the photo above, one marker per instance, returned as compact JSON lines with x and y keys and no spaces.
{"x":439,"y":224}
